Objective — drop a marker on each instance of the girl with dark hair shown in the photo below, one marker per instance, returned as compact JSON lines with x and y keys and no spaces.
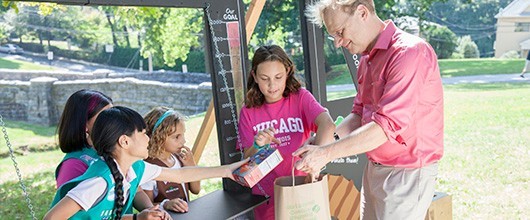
{"x":74,"y":129}
{"x":103,"y":191}
{"x":80,"y":112}
{"x":278,"y":110}
{"x":166,"y":129}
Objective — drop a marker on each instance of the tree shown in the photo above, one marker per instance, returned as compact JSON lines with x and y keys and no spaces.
{"x":277,"y":23}
{"x":16,"y":24}
{"x":468,"y":48}
{"x":3,"y":33}
{"x":475,"y":18}
{"x":442,"y":39}
{"x":168,"y":33}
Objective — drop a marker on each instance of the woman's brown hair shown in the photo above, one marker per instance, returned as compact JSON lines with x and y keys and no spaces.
{"x":255,"y":97}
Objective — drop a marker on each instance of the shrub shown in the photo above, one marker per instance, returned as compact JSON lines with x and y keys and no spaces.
{"x":512,"y":54}
{"x":298,"y":60}
{"x":3,"y":33}
{"x":467,"y":47}
{"x":195,"y":62}
{"x":33,"y":47}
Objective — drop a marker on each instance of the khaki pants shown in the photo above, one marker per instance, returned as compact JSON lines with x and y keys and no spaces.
{"x":397,"y":193}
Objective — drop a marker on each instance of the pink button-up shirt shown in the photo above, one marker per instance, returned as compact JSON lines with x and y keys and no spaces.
{"x":400,"y":89}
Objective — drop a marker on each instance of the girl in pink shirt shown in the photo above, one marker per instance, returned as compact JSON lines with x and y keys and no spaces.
{"x":278,"y":112}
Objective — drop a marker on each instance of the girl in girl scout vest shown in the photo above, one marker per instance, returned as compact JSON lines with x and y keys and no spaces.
{"x":74,"y":131}
{"x":103,"y":191}
{"x":166,"y":129}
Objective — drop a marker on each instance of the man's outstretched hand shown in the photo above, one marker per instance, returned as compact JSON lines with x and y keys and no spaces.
{"x":313,"y":158}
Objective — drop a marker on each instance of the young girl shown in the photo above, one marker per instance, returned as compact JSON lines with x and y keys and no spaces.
{"x":108,"y":186}
{"x":277,"y":109}
{"x":75,"y":125}
{"x":166,"y":129}
{"x":74,"y":129}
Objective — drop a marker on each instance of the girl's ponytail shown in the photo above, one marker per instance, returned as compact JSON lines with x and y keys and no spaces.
{"x":118,"y":187}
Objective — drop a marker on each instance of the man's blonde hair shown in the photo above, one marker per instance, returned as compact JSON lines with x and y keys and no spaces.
{"x":315,"y":12}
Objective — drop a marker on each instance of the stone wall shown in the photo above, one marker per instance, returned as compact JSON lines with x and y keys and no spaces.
{"x":42,"y":99}
{"x":175,"y":77}
{"x":14,"y":99}
{"x":169,"y":76}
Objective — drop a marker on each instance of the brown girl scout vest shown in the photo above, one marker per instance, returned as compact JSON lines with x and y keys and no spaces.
{"x":168,"y":190}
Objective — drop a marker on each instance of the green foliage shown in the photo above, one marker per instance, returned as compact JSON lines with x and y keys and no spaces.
{"x":466,"y":48}
{"x":417,"y":8}
{"x":90,"y":28}
{"x":387,"y":9}
{"x":298,"y":60}
{"x":195,"y":62}
{"x":6,"y":5}
{"x":3,"y":33}
{"x":512,"y":54}
{"x":467,"y":17}
{"x":277,"y":20}
{"x":170,"y":33}
{"x":442,"y":39}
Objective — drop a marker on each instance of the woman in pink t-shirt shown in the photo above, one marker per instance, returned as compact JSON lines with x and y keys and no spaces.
{"x":278,"y":112}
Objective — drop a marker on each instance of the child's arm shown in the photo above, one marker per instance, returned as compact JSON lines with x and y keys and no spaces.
{"x":195,"y":187}
{"x":262,"y":138}
{"x":186,"y":158}
{"x":249,"y":151}
{"x":142,"y":200}
{"x":148,"y":189}
{"x":325,"y":130}
{"x":191,"y":174}
{"x":65,"y":209}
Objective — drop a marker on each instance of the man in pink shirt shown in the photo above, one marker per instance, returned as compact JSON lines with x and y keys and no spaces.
{"x":397,"y":115}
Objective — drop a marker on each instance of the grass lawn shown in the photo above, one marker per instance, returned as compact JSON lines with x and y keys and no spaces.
{"x":344,"y":78}
{"x":485,"y":167}
{"x":467,"y":67}
{"x":486,"y":163}
{"x":36,"y":137}
{"x":341,"y":94}
{"x":22,"y":65}
{"x":448,"y":68}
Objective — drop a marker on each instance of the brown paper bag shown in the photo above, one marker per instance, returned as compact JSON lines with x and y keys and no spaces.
{"x":301,"y":201}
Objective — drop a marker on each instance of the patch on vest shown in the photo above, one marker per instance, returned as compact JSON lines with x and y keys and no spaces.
{"x":90,"y":160}
{"x":172,"y":189}
{"x":106,"y":214}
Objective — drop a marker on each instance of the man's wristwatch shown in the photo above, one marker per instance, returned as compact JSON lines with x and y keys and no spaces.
{"x":336,"y":136}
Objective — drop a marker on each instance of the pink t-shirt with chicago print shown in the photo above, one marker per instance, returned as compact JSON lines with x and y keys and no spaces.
{"x":294,"y":119}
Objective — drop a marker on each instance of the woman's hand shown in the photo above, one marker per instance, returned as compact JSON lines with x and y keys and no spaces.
{"x":176,"y":205}
{"x":186,"y":156}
